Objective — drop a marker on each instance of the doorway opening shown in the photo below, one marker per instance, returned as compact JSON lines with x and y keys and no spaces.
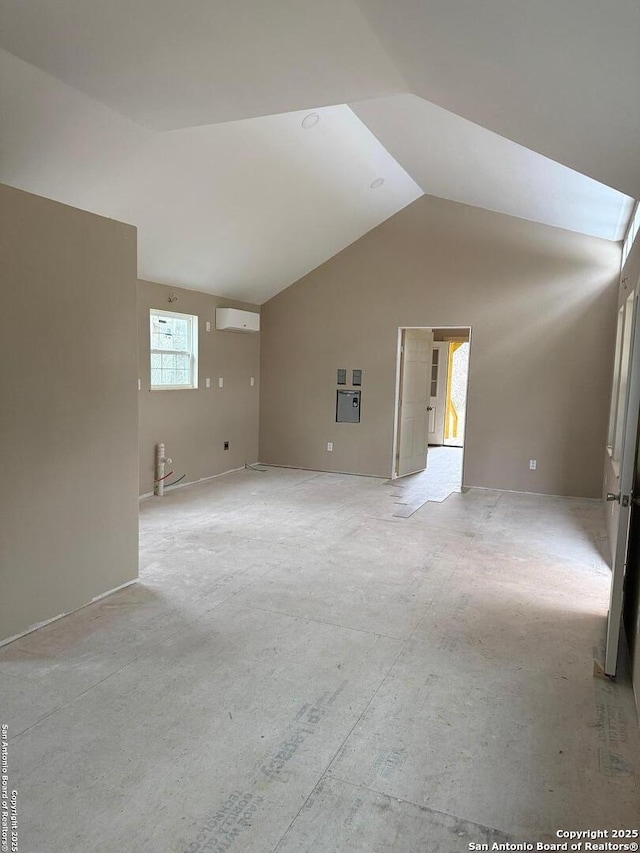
{"x":430,"y":410}
{"x":456,"y":402}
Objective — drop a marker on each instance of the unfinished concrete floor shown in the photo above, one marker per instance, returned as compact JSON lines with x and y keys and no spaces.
{"x":299,"y":670}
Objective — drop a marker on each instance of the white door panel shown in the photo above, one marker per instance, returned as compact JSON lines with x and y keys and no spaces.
{"x":629,"y":437}
{"x":413,"y":400}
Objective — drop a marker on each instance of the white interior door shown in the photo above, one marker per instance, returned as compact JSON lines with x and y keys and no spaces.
{"x":438,"y":391}
{"x":629,"y":426}
{"x":413,"y":400}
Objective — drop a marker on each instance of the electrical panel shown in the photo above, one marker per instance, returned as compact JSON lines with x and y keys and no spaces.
{"x":347,"y":407}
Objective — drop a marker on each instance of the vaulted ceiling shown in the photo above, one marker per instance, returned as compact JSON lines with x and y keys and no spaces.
{"x":185,"y":118}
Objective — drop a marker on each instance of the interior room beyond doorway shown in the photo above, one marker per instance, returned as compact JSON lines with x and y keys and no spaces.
{"x":449,"y":376}
{"x":433,"y":364}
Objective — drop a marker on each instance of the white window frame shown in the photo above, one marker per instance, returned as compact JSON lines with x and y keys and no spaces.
{"x":192,"y":349}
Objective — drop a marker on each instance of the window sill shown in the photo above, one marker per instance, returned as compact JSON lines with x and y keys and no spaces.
{"x":173,"y":388}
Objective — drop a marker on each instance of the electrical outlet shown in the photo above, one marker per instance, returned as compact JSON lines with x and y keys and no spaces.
{"x":253,"y":381}
{"x":207,"y":326}
{"x":221,"y":382}
{"x":330,"y":446}
{"x":207,"y":382}
{"x":533,"y":464}
{"x":226,"y":445}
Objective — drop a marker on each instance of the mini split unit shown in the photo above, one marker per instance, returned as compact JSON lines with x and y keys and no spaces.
{"x":234,"y":320}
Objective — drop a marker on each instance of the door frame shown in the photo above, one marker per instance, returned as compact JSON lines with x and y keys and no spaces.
{"x":396,"y":401}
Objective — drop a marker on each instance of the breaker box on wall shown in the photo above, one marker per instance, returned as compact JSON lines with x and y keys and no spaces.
{"x":348,"y":407}
{"x":234,"y":320}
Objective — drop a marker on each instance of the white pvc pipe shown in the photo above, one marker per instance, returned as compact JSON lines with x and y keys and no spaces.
{"x":161,"y":461}
{"x":158,"y":488}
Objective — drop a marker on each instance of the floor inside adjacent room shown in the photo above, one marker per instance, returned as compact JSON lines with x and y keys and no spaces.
{"x":441,"y":477}
{"x":299,"y":669}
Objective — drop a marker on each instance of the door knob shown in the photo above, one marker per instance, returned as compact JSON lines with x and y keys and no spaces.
{"x":612,"y":497}
{"x":429,"y":408}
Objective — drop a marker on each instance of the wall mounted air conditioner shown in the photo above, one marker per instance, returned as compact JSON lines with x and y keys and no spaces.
{"x":234,"y":320}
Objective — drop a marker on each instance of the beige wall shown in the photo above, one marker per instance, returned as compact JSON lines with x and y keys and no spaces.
{"x":194,"y":424}
{"x":541,"y":304}
{"x":68,"y":419}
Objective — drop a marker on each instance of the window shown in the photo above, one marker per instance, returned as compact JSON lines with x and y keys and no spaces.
{"x":632,"y":231}
{"x":174,"y":350}
{"x":435,"y":358}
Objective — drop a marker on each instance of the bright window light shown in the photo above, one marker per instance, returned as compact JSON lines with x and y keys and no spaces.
{"x":174,"y":350}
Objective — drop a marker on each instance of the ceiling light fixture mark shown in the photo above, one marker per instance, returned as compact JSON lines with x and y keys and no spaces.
{"x":310,"y":121}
